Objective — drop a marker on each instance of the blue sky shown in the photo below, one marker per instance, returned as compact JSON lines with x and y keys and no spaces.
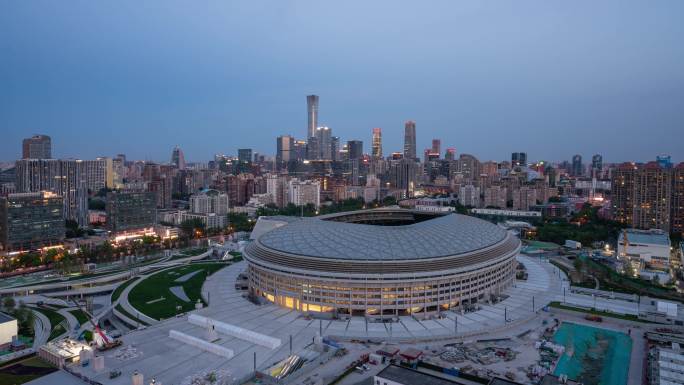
{"x":552,"y":78}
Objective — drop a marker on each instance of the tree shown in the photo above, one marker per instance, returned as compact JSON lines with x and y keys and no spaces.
{"x":9,"y":304}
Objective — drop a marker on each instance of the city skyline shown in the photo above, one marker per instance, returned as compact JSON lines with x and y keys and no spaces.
{"x":572,"y":81}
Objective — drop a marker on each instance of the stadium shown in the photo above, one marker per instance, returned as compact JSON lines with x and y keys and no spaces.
{"x":380,"y":263}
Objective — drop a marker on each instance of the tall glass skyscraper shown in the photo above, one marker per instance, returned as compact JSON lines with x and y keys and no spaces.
{"x":312,"y":114}
{"x":410,"y":140}
{"x":377,"y":143}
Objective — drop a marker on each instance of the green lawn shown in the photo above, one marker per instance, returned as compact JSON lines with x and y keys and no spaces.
{"x":21,"y":372}
{"x":80,"y":316}
{"x":119,"y":289}
{"x":57,"y":321}
{"x":628,"y":317}
{"x":120,"y":309}
{"x":157,"y":286}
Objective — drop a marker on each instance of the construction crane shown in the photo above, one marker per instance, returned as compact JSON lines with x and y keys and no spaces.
{"x":103,"y":342}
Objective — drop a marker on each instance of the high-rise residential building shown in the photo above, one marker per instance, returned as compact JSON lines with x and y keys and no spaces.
{"x":284,"y":149}
{"x":643,"y":195}
{"x":596,"y":165}
{"x":30,"y":221}
{"x":64,"y":177}
{"x":277,"y":187}
{"x":436,"y":146}
{"x":469,"y":195}
{"x":677,"y":205}
{"x":410,"y":140}
{"x":469,"y":166}
{"x":37,"y":147}
{"x":312,"y":115}
{"x":324,"y":137}
{"x":577,"y":166}
{"x":99,"y":174}
{"x":377,"y":143}
{"x":130,"y":211}
{"x":519,"y":159}
{"x":178,"y":158}
{"x":495,"y":196}
{"x":209,"y":202}
{"x":652,"y":197}
{"x":355,"y":149}
{"x":622,"y":194}
{"x":524,"y":197}
{"x":245,"y":156}
{"x":306,"y":192}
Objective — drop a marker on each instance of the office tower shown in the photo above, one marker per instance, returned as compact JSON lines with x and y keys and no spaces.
{"x":622,"y":192}
{"x":652,"y":197}
{"x":596,"y":165}
{"x":178,"y":158}
{"x":301,"y":193}
{"x":677,"y":206}
{"x":324,"y":137}
{"x":410,"y":140}
{"x":377,"y":143}
{"x":245,"y":155}
{"x":355,"y":149}
{"x":37,"y":147}
{"x":335,"y":148}
{"x":403,"y":175}
{"x":300,"y":149}
{"x":30,"y":221}
{"x":450,"y":154}
{"x":130,"y":211}
{"x":313,"y":150}
{"x":436,"y":146}
{"x":312,"y":115}
{"x":577,"y":166}
{"x":519,"y":159}
{"x":284,"y":149}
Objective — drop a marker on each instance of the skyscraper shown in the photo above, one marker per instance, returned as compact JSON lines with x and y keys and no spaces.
{"x":450,"y":154}
{"x":324,"y":136}
{"x":245,"y":155}
{"x":335,"y":148}
{"x":519,"y":159}
{"x":436,"y":146}
{"x":37,"y":147}
{"x":355,"y":149}
{"x":577,"y":165}
{"x":178,"y":158}
{"x":285,"y":149}
{"x":312,"y":114}
{"x":652,"y":197}
{"x":410,"y":140}
{"x":596,"y":165}
{"x":377,"y":143}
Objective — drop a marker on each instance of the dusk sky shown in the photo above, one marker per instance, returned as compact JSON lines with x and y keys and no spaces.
{"x":551,"y":78}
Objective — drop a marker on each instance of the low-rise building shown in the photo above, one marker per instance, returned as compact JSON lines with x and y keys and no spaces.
{"x":8,"y":329}
{"x":666,"y":365}
{"x":646,"y":251}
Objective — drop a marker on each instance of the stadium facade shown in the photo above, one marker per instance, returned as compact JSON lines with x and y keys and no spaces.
{"x":382,"y":263}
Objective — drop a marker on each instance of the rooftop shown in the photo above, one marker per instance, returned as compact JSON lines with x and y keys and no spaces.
{"x":5,"y":317}
{"x":647,"y":237}
{"x":329,"y":237}
{"x":406,"y":376}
